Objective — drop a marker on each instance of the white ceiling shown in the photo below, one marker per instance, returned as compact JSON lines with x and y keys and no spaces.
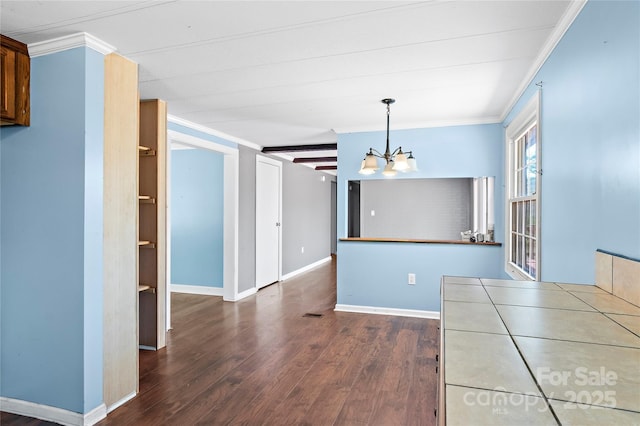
{"x":296,"y":72}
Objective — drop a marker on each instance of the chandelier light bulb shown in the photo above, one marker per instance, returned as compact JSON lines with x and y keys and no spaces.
{"x":389,"y":171}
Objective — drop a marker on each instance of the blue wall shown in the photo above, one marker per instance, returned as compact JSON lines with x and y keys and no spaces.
{"x":51,"y":237}
{"x":590,"y":133}
{"x":375,"y":274}
{"x":197,"y":217}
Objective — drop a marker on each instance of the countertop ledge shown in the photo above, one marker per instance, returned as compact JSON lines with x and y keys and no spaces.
{"x":409,"y":240}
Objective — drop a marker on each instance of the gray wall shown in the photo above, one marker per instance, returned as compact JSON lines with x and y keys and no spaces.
{"x":436,"y":209}
{"x":306,"y":217}
{"x":247,"y":219}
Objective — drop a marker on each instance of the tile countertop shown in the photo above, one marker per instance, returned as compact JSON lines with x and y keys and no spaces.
{"x":521,"y":352}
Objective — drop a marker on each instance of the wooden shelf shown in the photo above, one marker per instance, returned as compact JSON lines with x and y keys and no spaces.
{"x":146,"y":199}
{"x":146,"y":244}
{"x":146,"y":151}
{"x":409,"y":240}
{"x":147,"y":288}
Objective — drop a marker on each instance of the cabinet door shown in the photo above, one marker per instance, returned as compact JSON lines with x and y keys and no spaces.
{"x":8,"y":89}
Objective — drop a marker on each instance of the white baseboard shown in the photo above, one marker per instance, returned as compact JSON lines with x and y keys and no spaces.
{"x":388,"y":311}
{"x":53,"y":414}
{"x":95,"y":415}
{"x":254,"y":290}
{"x":197,"y":289}
{"x":242,"y":295}
{"x":121,"y":402}
{"x":305,"y":269}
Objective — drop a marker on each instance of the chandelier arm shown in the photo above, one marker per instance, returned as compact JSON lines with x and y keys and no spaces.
{"x":376,"y":153}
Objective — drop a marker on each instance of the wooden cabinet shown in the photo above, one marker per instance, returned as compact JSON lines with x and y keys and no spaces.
{"x":152,"y":223}
{"x":14,"y":83}
{"x":120,"y":251}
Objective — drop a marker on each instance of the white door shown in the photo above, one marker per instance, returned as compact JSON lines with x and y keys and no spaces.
{"x":268,"y":229}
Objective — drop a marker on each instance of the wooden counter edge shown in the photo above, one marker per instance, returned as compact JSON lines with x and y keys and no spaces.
{"x":418,"y":241}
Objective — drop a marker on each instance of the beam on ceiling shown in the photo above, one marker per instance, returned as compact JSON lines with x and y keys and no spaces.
{"x":300,"y":148}
{"x":326,"y":167}
{"x":315,"y":160}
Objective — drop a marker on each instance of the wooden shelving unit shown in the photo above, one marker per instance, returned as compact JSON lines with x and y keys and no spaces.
{"x":120,"y":254}
{"x":152,"y":251}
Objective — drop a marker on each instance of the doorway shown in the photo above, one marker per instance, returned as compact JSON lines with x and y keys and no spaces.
{"x":268,"y":221}
{"x":196,"y":220}
{"x":354,"y":209}
{"x":334,"y":217}
{"x":230,"y":211}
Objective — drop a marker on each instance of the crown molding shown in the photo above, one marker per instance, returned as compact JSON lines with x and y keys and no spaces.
{"x":197,"y":142}
{"x":71,"y":41}
{"x":422,"y":125}
{"x":565,"y":22}
{"x":209,"y":131}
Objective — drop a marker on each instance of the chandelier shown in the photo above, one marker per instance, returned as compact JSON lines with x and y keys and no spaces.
{"x":395,"y":161}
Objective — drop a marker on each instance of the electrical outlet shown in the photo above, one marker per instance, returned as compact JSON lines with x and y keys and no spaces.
{"x":302,"y":250}
{"x":412,"y":279}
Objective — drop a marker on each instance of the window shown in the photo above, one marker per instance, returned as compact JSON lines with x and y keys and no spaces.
{"x":523,"y":194}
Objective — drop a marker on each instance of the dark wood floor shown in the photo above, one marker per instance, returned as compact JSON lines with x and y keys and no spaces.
{"x":262,"y":361}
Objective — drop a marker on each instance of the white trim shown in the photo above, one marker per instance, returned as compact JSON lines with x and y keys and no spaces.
{"x":212,"y":132}
{"x":239,"y":296}
{"x":72,"y":41}
{"x":231,"y":202}
{"x":387,"y":311}
{"x":572,"y":12}
{"x":305,"y":268}
{"x":530,"y":113}
{"x":195,"y":142}
{"x":420,"y":125}
{"x":230,"y":206}
{"x":52,"y":414}
{"x":121,"y":402}
{"x":197,"y":289}
{"x":95,"y":415}
{"x":167,"y":234}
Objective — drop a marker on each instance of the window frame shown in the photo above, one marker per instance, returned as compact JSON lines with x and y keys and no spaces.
{"x":529,"y":116}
